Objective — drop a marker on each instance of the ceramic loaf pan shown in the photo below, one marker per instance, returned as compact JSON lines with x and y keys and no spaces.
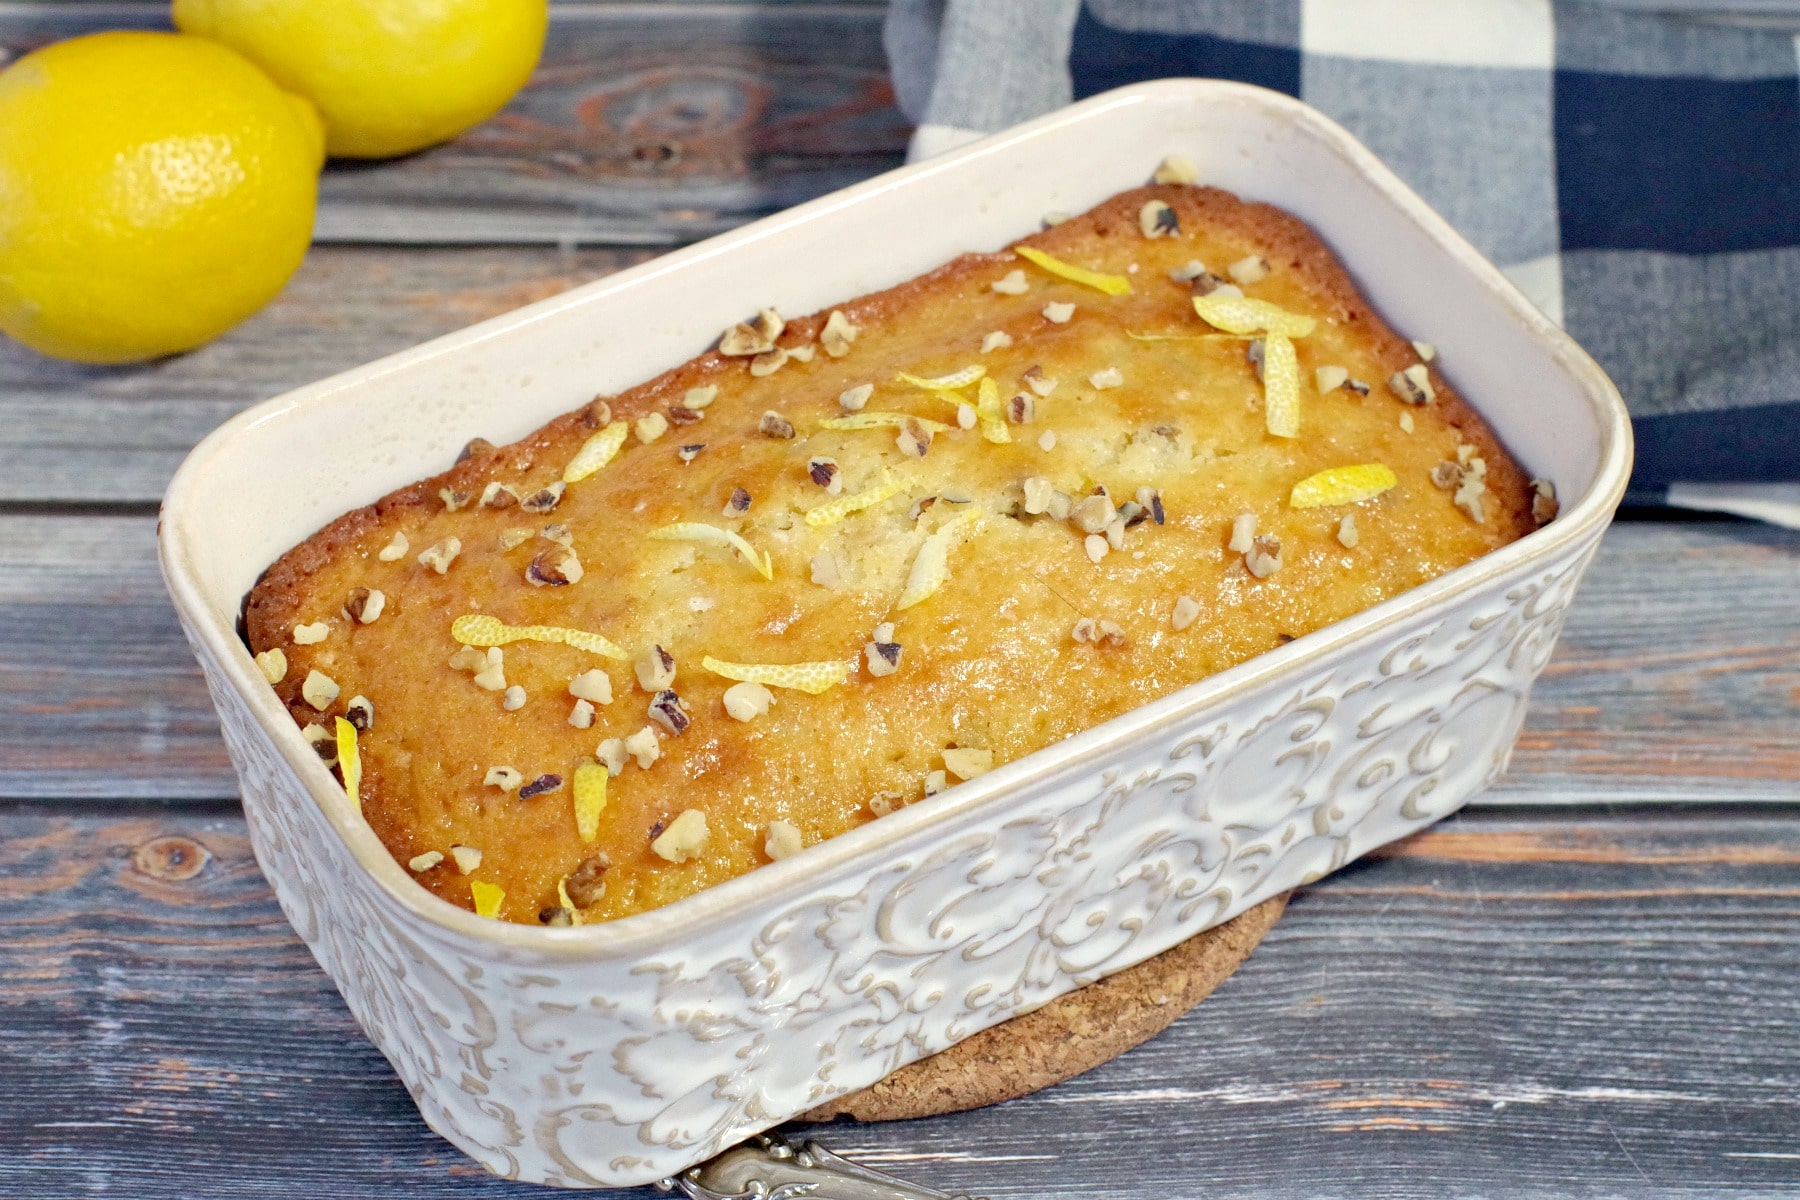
{"x":619,"y":1053}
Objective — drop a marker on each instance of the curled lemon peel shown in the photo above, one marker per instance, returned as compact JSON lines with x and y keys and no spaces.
{"x":478,"y":629}
{"x":931,"y":565}
{"x":882,"y":420}
{"x":987,"y":408}
{"x":562,"y":898}
{"x":596,"y":452}
{"x":590,"y":799}
{"x":1188,"y":337}
{"x":953,"y":382}
{"x":1242,"y":315}
{"x":1281,"y":387}
{"x":809,"y":677}
{"x":350,"y":759}
{"x":712,"y":535}
{"x":1343,"y":485}
{"x":488,"y":898}
{"x":836,"y":510}
{"x":1112,"y":285}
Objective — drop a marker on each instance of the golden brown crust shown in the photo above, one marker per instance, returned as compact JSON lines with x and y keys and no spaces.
{"x":1068,"y":1036}
{"x":989,"y":661}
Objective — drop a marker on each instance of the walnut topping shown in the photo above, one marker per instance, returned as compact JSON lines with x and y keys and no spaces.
{"x":597,"y":414}
{"x":738,"y":503}
{"x":883,"y":656}
{"x":1115,"y":533}
{"x":1406,"y":422}
{"x":651,"y":427}
{"x":307,"y":635}
{"x":1188,"y":271}
{"x":1156,"y":219}
{"x":1047,"y":440}
{"x":513,"y":538}
{"x":1470,"y":491}
{"x":1020,"y":409}
{"x":681,"y":414}
{"x":323,"y":742}
{"x":1151,"y":499}
{"x":1094,"y":513}
{"x":543,"y":785}
{"x":823,"y":569}
{"x":1253,"y":268}
{"x":999,"y":339}
{"x":612,"y":755}
{"x":935,"y":782}
{"x":966,"y":762}
{"x":1132,"y":514}
{"x":1058,"y":312}
{"x":504,"y":778}
{"x":586,"y":884}
{"x":1264,"y":558}
{"x":559,"y":533}
{"x":766,"y":364}
{"x":747,"y":701}
{"x":1356,"y":385}
{"x":884,"y":803}
{"x":440,"y":556}
{"x":421,"y":863}
{"x":1544,"y":506}
{"x":798,"y":354}
{"x":545,"y":499}
{"x":1447,"y":474}
{"x":498,"y":495}
{"x":1096,"y":547}
{"x":1329,"y":379}
{"x":852,"y":399}
{"x":395,"y":549}
{"x":683,"y":839}
{"x":365,"y":605}
{"x":1413,"y":385}
{"x":556,"y":567}
{"x":655,"y":669}
{"x":825,"y":473}
{"x":1187,"y":611}
{"x":592,"y":685}
{"x":582,"y":715}
{"x":453,"y":499}
{"x":688,"y":454}
{"x":914,"y":439}
{"x":472,"y":447}
{"x":1243,"y":533}
{"x":556,"y":916}
{"x":1061,"y":505}
{"x":965,"y":415}
{"x":272,"y":664}
{"x":698,"y":398}
{"x":644,"y":746}
{"x":1176,"y":169}
{"x":1011,"y":284}
{"x":360,"y":712}
{"x":1038,"y":491}
{"x":838,"y":335}
{"x":513,"y":699}
{"x":319,"y":690}
{"x":1208,"y":284}
{"x":755,"y":336}
{"x":1425,"y":350}
{"x":1111,"y":377}
{"x":1035,"y":379}
{"x":667,"y":710}
{"x":490,"y":674}
{"x":467,"y":859}
{"x":1346,"y":532}
{"x":775,"y":425}
{"x":782,"y":840}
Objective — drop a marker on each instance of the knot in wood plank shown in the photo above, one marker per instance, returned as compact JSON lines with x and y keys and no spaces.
{"x":174,"y":859}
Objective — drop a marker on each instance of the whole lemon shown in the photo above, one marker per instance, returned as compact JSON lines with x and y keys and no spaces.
{"x":155,"y":190}
{"x":389,"y":76}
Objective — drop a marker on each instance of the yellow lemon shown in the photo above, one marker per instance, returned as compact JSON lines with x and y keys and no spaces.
{"x":389,"y":76}
{"x":155,"y":190}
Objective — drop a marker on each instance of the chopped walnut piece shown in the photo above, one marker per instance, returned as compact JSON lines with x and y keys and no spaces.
{"x":1544,"y":506}
{"x":655,"y":669}
{"x":1020,"y":409}
{"x":825,"y":473}
{"x":1047,"y":440}
{"x":323,"y":742}
{"x":681,"y":414}
{"x":644,"y":746}
{"x":1176,"y":169}
{"x":395,"y":549}
{"x":999,"y":339}
{"x":1468,"y":496}
{"x":882,"y":656}
{"x":1447,"y":475}
{"x":1208,"y":284}
{"x":1406,"y":422}
{"x":504,"y":778}
{"x":667,"y":710}
{"x":1264,"y":558}
{"x":885,"y":803}
{"x":513,"y":699}
{"x":1096,"y":547}
{"x":365,"y":605}
{"x":1243,"y":533}
{"x":360,"y":712}
{"x":1346,"y":532}
{"x":798,"y":354}
{"x":1187,"y":611}
{"x":1356,"y":385}
{"x":935,"y":782}
{"x":823,"y":569}
{"x":1035,"y":379}
{"x":598,"y":413}
{"x":559,"y":533}
{"x":586,"y":884}
{"x":1187,"y":272}
{"x":651,"y":427}
{"x":914,"y":439}
{"x":738,"y":503}
{"x":755,"y":336}
{"x":688,"y":454}
{"x":418,"y":864}
{"x":492,"y":675}
{"x":513,"y":538}
{"x":1152,"y":501}
{"x":1058,"y":312}
{"x":1109,"y":633}
{"x":558,"y":566}
{"x":1329,"y":379}
{"x":764,"y":365}
{"x":965,"y":415}
{"x":852,"y":399}
{"x":453,"y":499}
{"x":1094,"y":513}
{"x":1061,"y":505}
{"x":698,"y":398}
{"x":319,"y":690}
{"x":272,"y":664}
{"x":1011,"y":284}
{"x":774,"y":425}
{"x":1115,"y":533}
{"x":556,"y":916}
{"x":594,"y":685}
{"x":543,"y":785}
{"x":612,"y":755}
{"x":1413,"y":385}
{"x":747,"y":701}
{"x":582,"y":715}
{"x":1425,"y":350}
{"x":467,"y":858}
{"x":782,"y":840}
{"x":545,"y":499}
{"x":307,"y":635}
{"x":1110,"y":377}
{"x":966,"y":762}
{"x":1156,"y":219}
{"x":838,"y":335}
{"x":1252,"y":268}
{"x":440,"y":556}
{"x":498,"y":495}
{"x":1038,"y":491}
{"x":684,"y":838}
{"x":472,"y":447}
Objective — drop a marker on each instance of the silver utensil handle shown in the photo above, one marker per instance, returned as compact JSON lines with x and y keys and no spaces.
{"x":772,"y":1168}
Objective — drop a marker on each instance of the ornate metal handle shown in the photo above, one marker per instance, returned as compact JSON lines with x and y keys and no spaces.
{"x":771,"y":1168}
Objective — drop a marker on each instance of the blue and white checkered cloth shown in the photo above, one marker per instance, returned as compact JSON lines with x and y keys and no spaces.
{"x":1634,"y":171}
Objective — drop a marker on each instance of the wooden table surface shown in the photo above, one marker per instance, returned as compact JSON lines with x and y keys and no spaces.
{"x":1587,"y":984}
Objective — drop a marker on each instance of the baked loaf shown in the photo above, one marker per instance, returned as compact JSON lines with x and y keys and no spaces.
{"x":973,"y":515}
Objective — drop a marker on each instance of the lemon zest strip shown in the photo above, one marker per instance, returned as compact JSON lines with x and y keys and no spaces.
{"x":478,"y":629}
{"x":1343,"y":485}
{"x":487,"y":897}
{"x":562,"y":898}
{"x":987,"y":407}
{"x":809,"y":677}
{"x":596,"y":452}
{"x":836,"y":510}
{"x":1242,"y":315}
{"x":1112,"y":285}
{"x":931,"y":565}
{"x":1281,"y":387}
{"x":1188,"y":337}
{"x":350,"y":759}
{"x":955,"y":381}
{"x":712,"y":535}
{"x":590,"y":799}
{"x":882,"y":420}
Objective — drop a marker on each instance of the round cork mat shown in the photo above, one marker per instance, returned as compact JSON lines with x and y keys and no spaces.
{"x":1069,"y":1035}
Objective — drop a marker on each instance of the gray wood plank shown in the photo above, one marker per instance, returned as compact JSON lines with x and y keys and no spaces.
{"x":644,"y":124}
{"x":1677,"y":677}
{"x":1511,"y":1005}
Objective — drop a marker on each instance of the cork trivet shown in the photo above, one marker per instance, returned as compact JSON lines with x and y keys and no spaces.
{"x":1069,"y":1035}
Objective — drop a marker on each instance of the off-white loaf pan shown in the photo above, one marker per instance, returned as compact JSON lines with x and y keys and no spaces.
{"x":622,"y":1052}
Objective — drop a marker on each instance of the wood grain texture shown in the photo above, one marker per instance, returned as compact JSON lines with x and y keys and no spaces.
{"x":1511,"y":1005}
{"x":1677,"y":677}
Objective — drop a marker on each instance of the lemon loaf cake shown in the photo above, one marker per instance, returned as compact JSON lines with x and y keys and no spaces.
{"x":839,"y":563}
